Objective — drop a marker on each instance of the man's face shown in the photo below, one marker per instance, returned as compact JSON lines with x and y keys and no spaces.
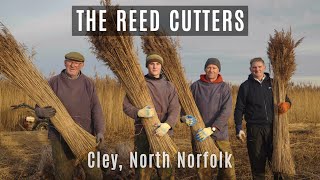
{"x":73,"y":67}
{"x":257,"y":69}
{"x":212,"y":72}
{"x":154,"y":69}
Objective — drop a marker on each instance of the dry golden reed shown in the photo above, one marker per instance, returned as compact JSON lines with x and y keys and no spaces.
{"x":11,"y":120}
{"x":118,"y":52}
{"x":282,"y":57}
{"x":173,"y":70}
{"x":16,"y":66}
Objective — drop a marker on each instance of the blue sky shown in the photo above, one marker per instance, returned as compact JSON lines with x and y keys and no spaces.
{"x":46,"y":26}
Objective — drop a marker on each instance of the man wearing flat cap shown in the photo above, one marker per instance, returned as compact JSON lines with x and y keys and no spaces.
{"x":165,"y":99}
{"x":214,"y":101}
{"x":78,"y":94}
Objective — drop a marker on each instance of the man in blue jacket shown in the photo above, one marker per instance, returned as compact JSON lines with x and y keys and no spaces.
{"x":255,"y":102}
{"x":214,"y":101}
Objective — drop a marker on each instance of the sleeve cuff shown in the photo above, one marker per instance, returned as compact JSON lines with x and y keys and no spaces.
{"x":238,"y":128}
{"x":217,"y":127}
{"x":171,"y":124}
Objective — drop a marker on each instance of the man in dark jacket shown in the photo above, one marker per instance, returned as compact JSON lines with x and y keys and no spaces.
{"x":255,"y":102}
{"x":165,"y":99}
{"x":214,"y":101}
{"x":78,"y":94}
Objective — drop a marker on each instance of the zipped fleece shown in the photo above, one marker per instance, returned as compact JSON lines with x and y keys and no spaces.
{"x":255,"y":101}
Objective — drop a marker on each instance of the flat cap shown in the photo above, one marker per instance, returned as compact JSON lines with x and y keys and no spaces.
{"x":75,"y":56}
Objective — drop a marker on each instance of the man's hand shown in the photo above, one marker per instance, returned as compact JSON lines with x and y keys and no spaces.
{"x":99,"y":138}
{"x":189,"y":120}
{"x":146,"y":112}
{"x":283,"y":107}
{"x":163,"y":128}
{"x":202,"y":134}
{"x":241,"y":136}
{"x":46,"y":112}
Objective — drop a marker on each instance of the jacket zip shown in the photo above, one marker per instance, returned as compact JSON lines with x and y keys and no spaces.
{"x":265,"y":106}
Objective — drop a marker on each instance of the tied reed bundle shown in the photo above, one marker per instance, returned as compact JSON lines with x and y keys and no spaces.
{"x":282,"y":57}
{"x":118,"y":53}
{"x":173,"y":70}
{"x":17,"y":67}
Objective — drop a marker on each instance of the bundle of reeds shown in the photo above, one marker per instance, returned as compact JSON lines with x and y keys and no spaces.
{"x":118,"y":52}
{"x":17,"y":67}
{"x":172,"y":68}
{"x":282,"y":57}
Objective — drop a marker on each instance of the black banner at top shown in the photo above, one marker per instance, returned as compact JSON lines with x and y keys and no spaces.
{"x":174,"y":20}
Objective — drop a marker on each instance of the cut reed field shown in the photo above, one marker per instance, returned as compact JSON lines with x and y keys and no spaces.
{"x":120,"y":132}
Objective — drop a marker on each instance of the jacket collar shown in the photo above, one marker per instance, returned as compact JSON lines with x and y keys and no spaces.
{"x":267,"y":77}
{"x":204,"y":79}
{"x":64,"y":74}
{"x":153,"y":78}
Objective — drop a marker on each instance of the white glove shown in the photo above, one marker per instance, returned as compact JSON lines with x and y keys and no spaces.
{"x":146,"y":112}
{"x":202,"y":134}
{"x":241,"y":136}
{"x":163,"y":128}
{"x":189,"y":120}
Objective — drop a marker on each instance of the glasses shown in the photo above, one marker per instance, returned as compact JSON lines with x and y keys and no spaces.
{"x":75,"y":63}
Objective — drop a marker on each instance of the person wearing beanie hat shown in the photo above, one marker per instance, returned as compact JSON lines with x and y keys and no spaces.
{"x":214,"y":101}
{"x":153,"y":57}
{"x":213,"y":61}
{"x":77,"y":93}
{"x":166,"y":105}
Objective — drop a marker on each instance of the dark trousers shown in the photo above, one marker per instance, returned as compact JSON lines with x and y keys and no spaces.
{"x":259,"y":144}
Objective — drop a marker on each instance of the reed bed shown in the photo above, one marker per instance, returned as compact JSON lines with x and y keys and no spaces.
{"x":111,"y":95}
{"x":282,"y":57}
{"x":16,"y":66}
{"x":11,"y":119}
{"x":172,"y":68}
{"x":117,"y":52}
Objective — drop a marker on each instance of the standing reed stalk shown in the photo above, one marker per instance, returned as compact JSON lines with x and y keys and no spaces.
{"x":16,"y":66}
{"x":282,"y":57}
{"x":173,"y":70}
{"x":118,"y":52}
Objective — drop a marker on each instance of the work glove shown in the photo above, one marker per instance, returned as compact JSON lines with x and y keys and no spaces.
{"x":189,"y":120}
{"x":202,"y":134}
{"x":146,"y":112}
{"x":99,"y":138}
{"x":46,"y":112}
{"x":283,"y":107}
{"x":162,"y":129}
{"x":241,"y":136}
